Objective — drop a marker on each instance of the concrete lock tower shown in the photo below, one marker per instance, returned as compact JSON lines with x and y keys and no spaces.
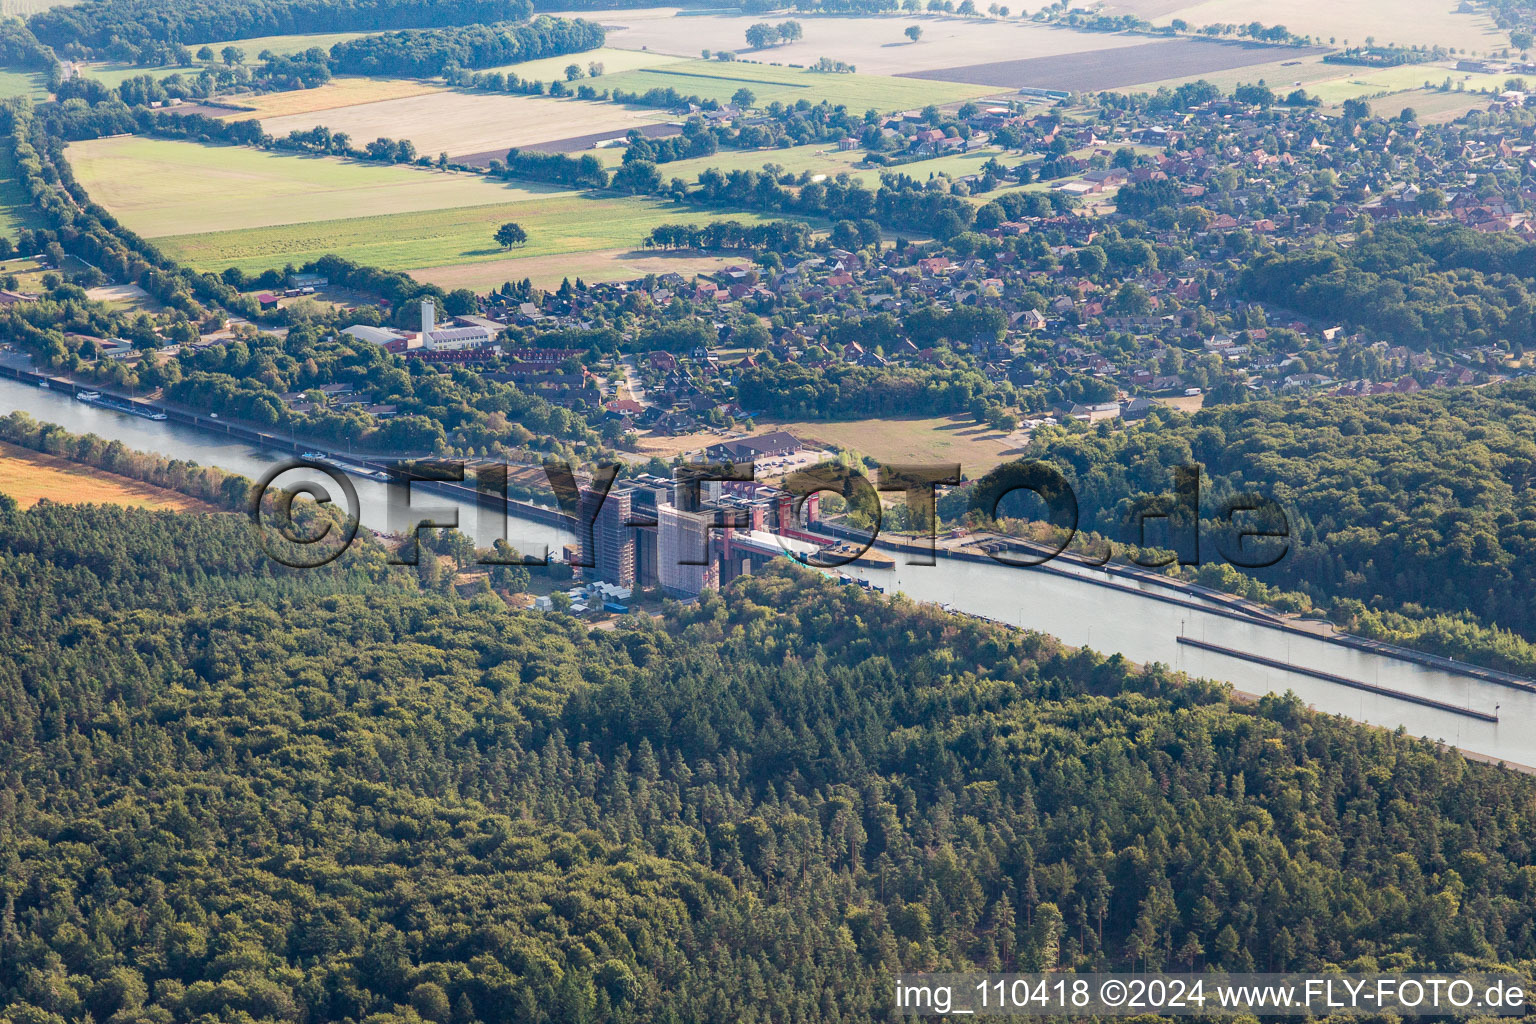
{"x":428,"y":321}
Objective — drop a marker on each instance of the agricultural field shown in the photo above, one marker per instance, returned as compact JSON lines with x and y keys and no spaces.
{"x":165,"y":187}
{"x":1429,"y":105}
{"x":593,"y":266}
{"x":30,"y":476}
{"x":977,"y":447}
{"x":1422,"y":22}
{"x":613,"y":61}
{"x":1335,"y":83}
{"x":1280,"y":75}
{"x":27,"y":8}
{"x":1117,"y":69}
{"x":557,"y":225}
{"x":338,"y":92}
{"x":1404,"y":79}
{"x":719,"y":80}
{"x":462,"y":123}
{"x":875,"y":45}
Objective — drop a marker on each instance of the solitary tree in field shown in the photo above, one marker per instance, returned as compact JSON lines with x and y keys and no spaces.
{"x":232,"y":55}
{"x":914,"y":32}
{"x":743,"y":97}
{"x":572,"y":72}
{"x":510,"y":234}
{"x":205,"y":53}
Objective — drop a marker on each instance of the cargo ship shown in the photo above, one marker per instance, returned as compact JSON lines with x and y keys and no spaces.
{"x":120,"y":405}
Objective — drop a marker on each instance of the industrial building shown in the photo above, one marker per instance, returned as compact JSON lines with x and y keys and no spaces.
{"x":644,"y":535}
{"x":468,"y":334}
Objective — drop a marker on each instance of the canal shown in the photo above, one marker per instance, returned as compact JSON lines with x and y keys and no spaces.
{"x":1079,"y":611}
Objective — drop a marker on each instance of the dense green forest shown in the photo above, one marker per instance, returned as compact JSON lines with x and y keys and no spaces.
{"x":792,"y":391}
{"x":432,"y":51}
{"x":120,"y":28}
{"x":234,"y":791}
{"x":1416,"y":503}
{"x":1416,"y":283}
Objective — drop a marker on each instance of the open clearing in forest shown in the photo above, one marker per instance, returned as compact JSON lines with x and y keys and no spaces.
{"x":20,"y":82}
{"x":162,"y":187}
{"x":558,"y":226}
{"x":455,"y":122}
{"x":30,"y":476}
{"x":16,"y":209}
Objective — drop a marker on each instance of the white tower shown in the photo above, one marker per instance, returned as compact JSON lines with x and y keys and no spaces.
{"x":428,"y":322}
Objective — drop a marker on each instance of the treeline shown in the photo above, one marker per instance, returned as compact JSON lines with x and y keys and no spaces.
{"x":585,"y":171}
{"x":120,"y":28}
{"x":431,"y":52}
{"x":1420,"y":284}
{"x":901,"y":203}
{"x":206,"y":483}
{"x":760,"y":807}
{"x":696,"y":140}
{"x":841,"y":391}
{"x":780,"y":236}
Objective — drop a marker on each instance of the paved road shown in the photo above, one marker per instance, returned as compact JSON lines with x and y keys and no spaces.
{"x":632,"y":381}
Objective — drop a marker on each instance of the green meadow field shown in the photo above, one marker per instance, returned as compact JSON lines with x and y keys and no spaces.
{"x":718,"y":80}
{"x":817,"y":158}
{"x":214,"y":207}
{"x":557,"y":226}
{"x":613,"y":61}
{"x":113,"y":75}
{"x":164,"y":187}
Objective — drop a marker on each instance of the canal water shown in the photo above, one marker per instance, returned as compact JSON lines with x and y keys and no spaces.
{"x":178,"y":441}
{"x":1079,"y":612}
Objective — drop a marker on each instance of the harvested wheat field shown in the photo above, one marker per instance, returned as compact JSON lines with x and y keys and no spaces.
{"x":1424,"y":22}
{"x":30,"y":476}
{"x":337,"y":93}
{"x":457,"y":123}
{"x":593,"y":267}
